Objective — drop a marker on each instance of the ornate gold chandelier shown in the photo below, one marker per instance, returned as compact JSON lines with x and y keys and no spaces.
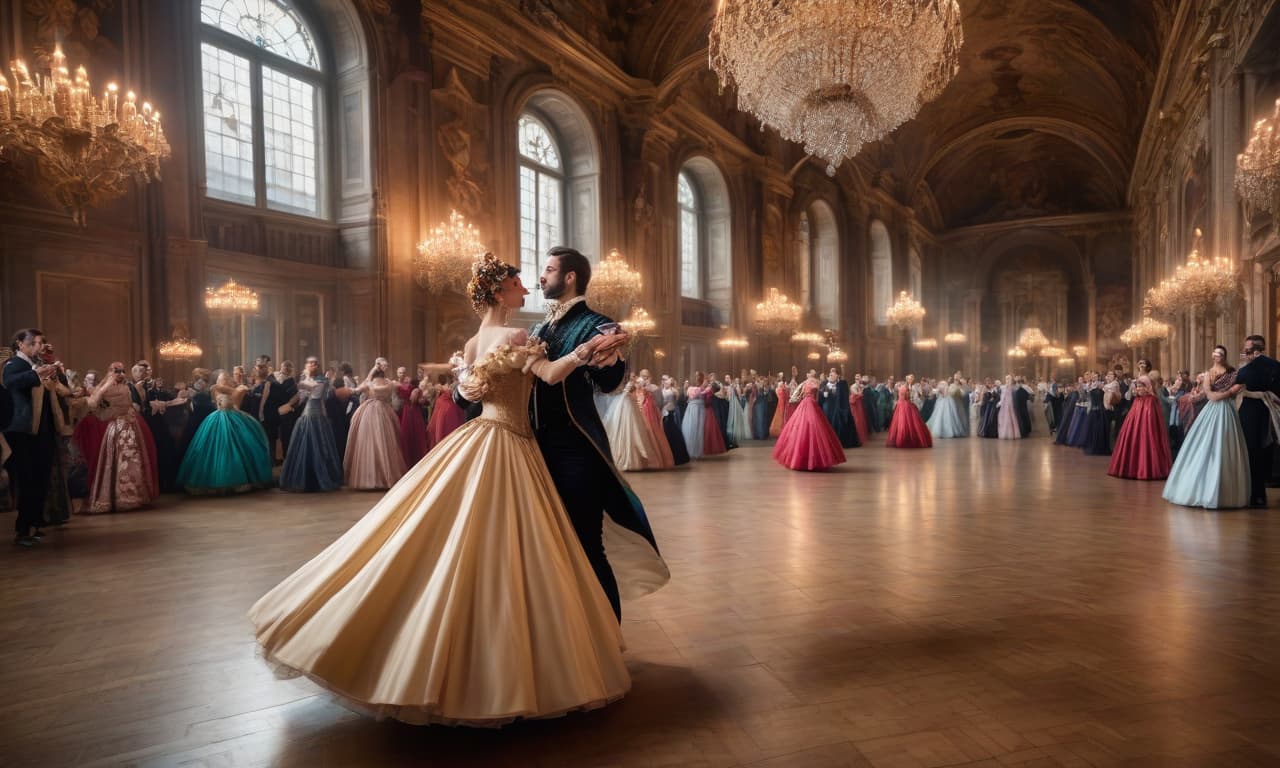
{"x":807,"y":337}
{"x":445,"y":258}
{"x":1258,"y":167}
{"x":1016,"y":352}
{"x":1053,"y":350}
{"x":777,"y":314}
{"x":82,"y":151}
{"x":638,"y":323}
{"x":1032,"y":340}
{"x":615,"y":286}
{"x":180,"y":348}
{"x":231,"y":297}
{"x":837,"y":355}
{"x":1147,"y":330}
{"x":905,"y":312}
{"x":1080,"y":350}
{"x":927,"y":344}
{"x":733,"y":343}
{"x":1194,"y":285}
{"x":833,"y":75}
{"x":955,"y":337}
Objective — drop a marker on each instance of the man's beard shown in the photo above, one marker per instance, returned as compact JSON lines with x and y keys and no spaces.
{"x":553,"y":291}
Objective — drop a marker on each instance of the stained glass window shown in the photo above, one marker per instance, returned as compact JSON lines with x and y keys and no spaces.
{"x":272,"y":25}
{"x":262,"y":89}
{"x":542,"y":219}
{"x":690,"y":238}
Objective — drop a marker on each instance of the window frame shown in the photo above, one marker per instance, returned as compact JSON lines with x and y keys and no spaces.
{"x":539,"y":170}
{"x":698,"y":210}
{"x":321,"y":79}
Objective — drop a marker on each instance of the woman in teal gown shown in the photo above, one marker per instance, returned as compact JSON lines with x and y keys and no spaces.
{"x":1212,"y":468}
{"x":229,"y":452}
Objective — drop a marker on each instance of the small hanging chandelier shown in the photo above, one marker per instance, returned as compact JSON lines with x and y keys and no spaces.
{"x":905,"y":312}
{"x":955,"y":337}
{"x":180,"y":348}
{"x":638,"y":323}
{"x":445,"y":258}
{"x":231,"y":297}
{"x":615,"y":286}
{"x":1258,"y":167}
{"x":777,"y":314}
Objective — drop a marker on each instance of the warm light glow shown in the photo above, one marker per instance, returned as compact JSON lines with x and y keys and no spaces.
{"x":231,"y":297}
{"x":638,"y":323}
{"x":1080,"y":350}
{"x":181,"y":349}
{"x":807,"y":337}
{"x":615,"y":286}
{"x":1258,"y":167}
{"x":926,"y":344}
{"x":1032,"y":340}
{"x":955,"y":337}
{"x":777,"y":314}
{"x":837,"y":355}
{"x":905,"y":312}
{"x":1144,"y":331}
{"x":1194,"y":285}
{"x":445,"y":258}
{"x":1016,"y":352}
{"x":733,"y":343}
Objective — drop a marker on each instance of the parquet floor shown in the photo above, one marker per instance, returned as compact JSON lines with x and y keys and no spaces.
{"x":986,"y":603}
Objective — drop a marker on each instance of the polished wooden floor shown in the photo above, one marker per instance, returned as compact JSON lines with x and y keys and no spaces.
{"x":986,"y":603}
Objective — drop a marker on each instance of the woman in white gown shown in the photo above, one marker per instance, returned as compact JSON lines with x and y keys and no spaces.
{"x":630,"y":439}
{"x":1212,"y":467}
{"x":1007,"y":418}
{"x":949,"y":419}
{"x":464,"y":595}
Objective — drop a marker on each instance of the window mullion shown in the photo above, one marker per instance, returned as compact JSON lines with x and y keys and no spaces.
{"x":259,"y":137}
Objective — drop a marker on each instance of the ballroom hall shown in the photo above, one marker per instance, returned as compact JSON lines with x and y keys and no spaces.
{"x":604,"y":383}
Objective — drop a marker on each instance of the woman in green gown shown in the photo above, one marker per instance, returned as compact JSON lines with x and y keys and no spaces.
{"x":229,"y":452}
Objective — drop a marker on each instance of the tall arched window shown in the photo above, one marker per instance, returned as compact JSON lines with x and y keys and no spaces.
{"x":705,"y":242}
{"x":559,"y":182}
{"x":541,"y":197}
{"x":690,"y":238}
{"x":881,"y":272}
{"x":262,"y":82}
{"x":824,"y":247}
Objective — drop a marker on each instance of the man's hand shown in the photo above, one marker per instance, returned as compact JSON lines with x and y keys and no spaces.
{"x":609,"y":351}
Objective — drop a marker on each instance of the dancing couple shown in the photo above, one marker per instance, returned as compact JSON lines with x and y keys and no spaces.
{"x":478,"y":591}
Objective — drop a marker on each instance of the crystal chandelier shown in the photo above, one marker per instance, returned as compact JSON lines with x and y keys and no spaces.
{"x":1053,"y":350}
{"x":927,"y":344}
{"x":614,"y":284}
{"x":777,"y":314}
{"x":833,"y":75}
{"x":813,"y":356}
{"x":1080,"y":350}
{"x":1017,"y":352}
{"x":444,"y":259}
{"x":906,"y":312}
{"x":733,"y":343}
{"x":180,"y":348}
{"x":638,"y":323}
{"x":955,"y":337}
{"x":1067,"y":362}
{"x":1032,"y":340}
{"x":1258,"y":167}
{"x":84,"y":151}
{"x":1194,"y":285}
{"x":807,"y":337}
{"x":231,"y":297}
{"x":1147,"y":330}
{"x":837,"y":355}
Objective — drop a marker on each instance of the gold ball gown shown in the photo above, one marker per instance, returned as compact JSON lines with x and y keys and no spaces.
{"x":463,"y":596}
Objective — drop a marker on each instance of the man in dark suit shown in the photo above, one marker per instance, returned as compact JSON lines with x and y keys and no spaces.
{"x":29,"y":433}
{"x":269,"y":395}
{"x":1258,"y":373}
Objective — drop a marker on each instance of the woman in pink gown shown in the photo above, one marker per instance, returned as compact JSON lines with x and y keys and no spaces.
{"x":907,"y":429}
{"x":807,"y":441}
{"x":126,"y":475}
{"x":645,"y":391}
{"x":1007,"y":420}
{"x":373,"y":460}
{"x":413,"y":429}
{"x":446,"y":416}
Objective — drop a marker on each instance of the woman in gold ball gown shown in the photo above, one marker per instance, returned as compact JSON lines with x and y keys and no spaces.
{"x":463,"y":596}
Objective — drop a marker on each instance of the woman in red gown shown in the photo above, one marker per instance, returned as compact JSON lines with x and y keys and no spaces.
{"x":859,"y":412}
{"x":445,"y":417}
{"x":1142,"y":447}
{"x":907,"y":429}
{"x":712,"y":435}
{"x":413,"y":428}
{"x":807,"y":441}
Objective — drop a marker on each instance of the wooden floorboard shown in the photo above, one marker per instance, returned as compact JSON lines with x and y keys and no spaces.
{"x":984,"y":603}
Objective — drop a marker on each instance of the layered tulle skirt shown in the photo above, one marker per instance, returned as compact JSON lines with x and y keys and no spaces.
{"x":948,"y":420}
{"x":1212,"y":468}
{"x":807,"y":441}
{"x":228,"y":454}
{"x":907,"y":429}
{"x":739,"y":421}
{"x":462,"y":597}
{"x":1142,"y":447}
{"x":373,"y":459}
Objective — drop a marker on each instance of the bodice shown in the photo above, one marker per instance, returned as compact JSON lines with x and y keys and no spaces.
{"x":904,"y":392}
{"x":668,"y":400}
{"x":405,"y":391}
{"x":313,"y":389}
{"x":1223,"y":382}
{"x":116,"y":401}
{"x":380,"y":389}
{"x":808,"y":389}
{"x":503,"y":385}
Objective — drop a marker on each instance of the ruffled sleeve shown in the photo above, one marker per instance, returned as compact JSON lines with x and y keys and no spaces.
{"x":476,"y":381}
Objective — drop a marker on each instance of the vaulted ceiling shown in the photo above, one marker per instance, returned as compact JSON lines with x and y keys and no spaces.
{"x":1043,"y":117}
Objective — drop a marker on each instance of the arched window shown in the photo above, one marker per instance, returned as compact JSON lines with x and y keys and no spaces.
{"x":262,"y":84}
{"x":690,"y":238}
{"x":705,"y":242}
{"x":541,"y":197}
{"x":559,"y":183}
{"x":804,"y":262}
{"x":824,"y":247}
{"x":881,"y":272}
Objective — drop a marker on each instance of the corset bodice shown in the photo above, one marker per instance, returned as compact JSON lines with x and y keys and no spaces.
{"x":506,"y":387}
{"x":224,"y":402}
{"x":381,"y":389}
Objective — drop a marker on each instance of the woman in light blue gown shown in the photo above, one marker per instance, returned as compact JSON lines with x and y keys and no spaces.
{"x":949,"y":418}
{"x":739,"y":422}
{"x":1212,"y":469}
{"x":695,"y":417}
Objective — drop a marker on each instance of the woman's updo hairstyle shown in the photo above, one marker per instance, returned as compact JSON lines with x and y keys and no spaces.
{"x":487,"y":275}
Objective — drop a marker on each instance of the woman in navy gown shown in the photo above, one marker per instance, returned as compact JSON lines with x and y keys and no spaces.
{"x":312,"y":463}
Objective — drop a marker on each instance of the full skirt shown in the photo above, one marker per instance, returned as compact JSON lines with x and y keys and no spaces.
{"x":948,"y":420}
{"x":228,"y":454}
{"x":373,"y":459}
{"x":413,"y":434}
{"x":713,"y":443}
{"x":1212,"y":468}
{"x":693,"y":427}
{"x":630,"y":441}
{"x":807,"y":441}
{"x":462,"y":597}
{"x":311,"y":463}
{"x":908,"y":430}
{"x":446,"y":416}
{"x":739,"y":422}
{"x":653,"y":423}
{"x":126,"y":476}
{"x":675,"y":438}
{"x":1142,"y":447}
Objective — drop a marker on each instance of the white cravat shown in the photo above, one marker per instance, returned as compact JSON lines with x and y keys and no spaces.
{"x":556,"y":310}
